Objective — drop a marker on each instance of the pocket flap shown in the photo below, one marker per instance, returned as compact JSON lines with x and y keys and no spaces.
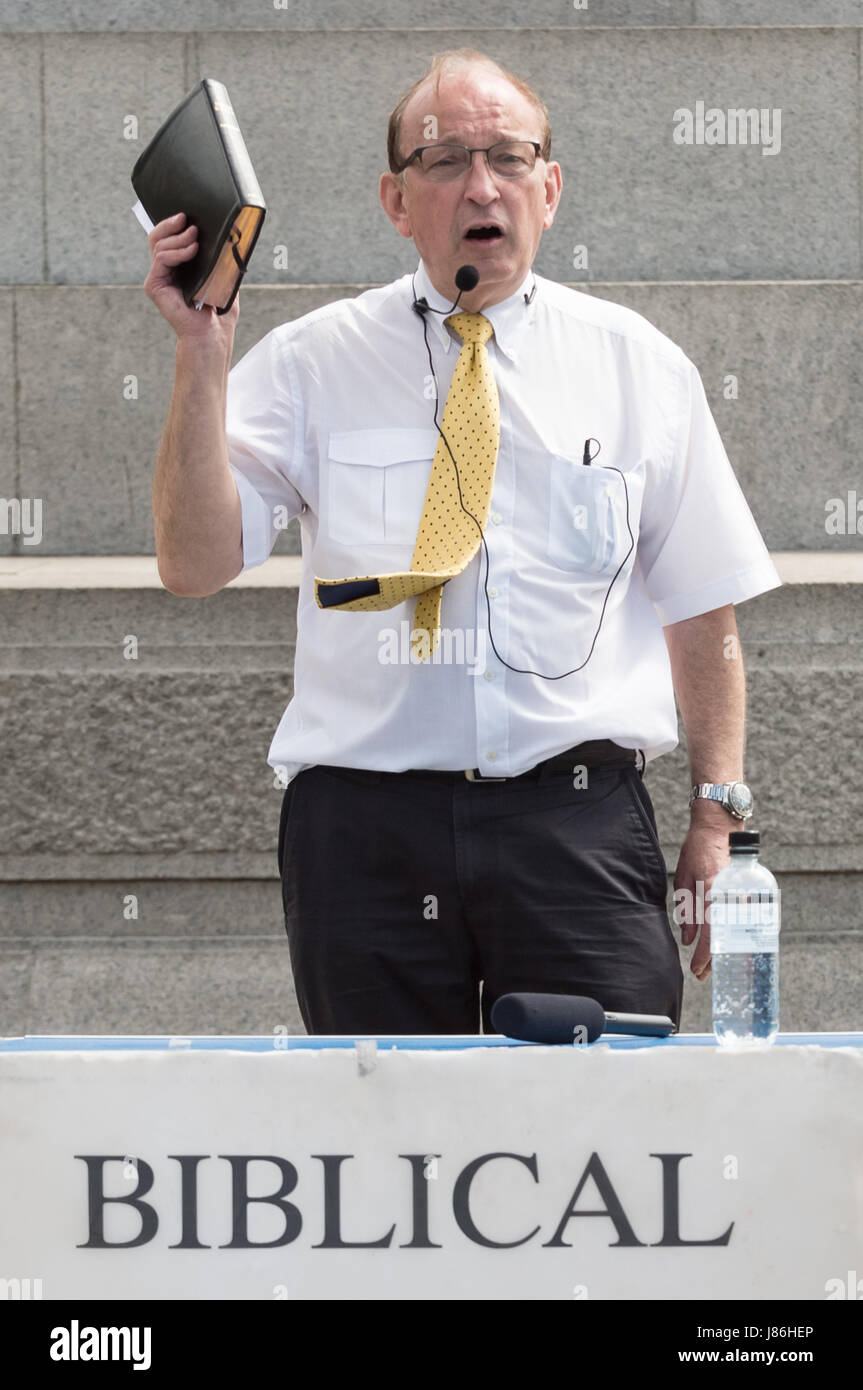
{"x":377,"y":448}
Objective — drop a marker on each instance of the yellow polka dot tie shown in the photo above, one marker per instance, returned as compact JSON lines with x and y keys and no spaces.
{"x":448,"y":538}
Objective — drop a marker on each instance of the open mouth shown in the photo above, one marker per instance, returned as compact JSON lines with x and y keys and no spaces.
{"x":484,"y":235}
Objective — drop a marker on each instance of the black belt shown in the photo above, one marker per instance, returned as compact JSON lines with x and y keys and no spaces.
{"x":594,"y":753}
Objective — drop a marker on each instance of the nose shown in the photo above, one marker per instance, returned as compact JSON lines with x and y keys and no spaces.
{"x":479,"y":181}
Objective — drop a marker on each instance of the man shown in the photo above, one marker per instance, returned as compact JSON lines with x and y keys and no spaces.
{"x":529,"y":488}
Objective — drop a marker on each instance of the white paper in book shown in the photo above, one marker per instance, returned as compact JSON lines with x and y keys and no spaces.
{"x":141,"y":214}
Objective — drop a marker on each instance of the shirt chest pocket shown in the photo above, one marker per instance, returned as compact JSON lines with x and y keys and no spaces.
{"x":376,"y":484}
{"x":587,"y":518}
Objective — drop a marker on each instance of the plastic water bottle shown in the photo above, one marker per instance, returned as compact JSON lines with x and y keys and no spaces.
{"x":744,"y":944}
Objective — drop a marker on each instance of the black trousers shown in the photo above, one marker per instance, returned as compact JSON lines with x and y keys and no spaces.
{"x":402,"y":893}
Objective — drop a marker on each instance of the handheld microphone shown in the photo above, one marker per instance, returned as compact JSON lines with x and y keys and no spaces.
{"x":553,"y":1018}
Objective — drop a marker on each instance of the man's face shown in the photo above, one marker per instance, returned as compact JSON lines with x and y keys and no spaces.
{"x":474,"y":106}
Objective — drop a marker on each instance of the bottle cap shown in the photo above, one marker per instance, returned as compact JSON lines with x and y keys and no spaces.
{"x":745,"y":841}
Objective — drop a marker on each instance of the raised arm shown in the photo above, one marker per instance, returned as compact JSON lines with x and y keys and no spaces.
{"x":196,"y":506}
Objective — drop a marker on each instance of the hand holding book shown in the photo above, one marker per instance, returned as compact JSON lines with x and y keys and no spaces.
{"x":173,"y":243}
{"x":197,"y":162}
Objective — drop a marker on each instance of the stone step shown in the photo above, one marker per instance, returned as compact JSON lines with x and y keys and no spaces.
{"x":313,"y":106}
{"x":285,"y":16}
{"x":137,"y":767}
{"x":74,"y":443}
{"x":146,"y":984}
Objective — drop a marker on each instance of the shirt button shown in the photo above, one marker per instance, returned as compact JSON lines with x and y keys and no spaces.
{"x":496,"y":518}
{"x":492,"y":757}
{"x":489,"y":675}
{"x":492,"y":593}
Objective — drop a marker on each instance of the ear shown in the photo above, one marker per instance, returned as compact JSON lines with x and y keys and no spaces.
{"x":553,"y":186}
{"x":392,"y":195}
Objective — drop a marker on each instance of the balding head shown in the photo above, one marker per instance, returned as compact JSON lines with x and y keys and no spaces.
{"x":444,"y":67}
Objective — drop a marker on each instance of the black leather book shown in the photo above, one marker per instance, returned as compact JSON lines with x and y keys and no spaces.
{"x":197,"y":163}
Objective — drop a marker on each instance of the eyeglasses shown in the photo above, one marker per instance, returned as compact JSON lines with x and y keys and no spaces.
{"x":512,"y":159}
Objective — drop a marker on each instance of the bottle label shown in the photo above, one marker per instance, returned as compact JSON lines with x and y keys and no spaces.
{"x":749,"y":922}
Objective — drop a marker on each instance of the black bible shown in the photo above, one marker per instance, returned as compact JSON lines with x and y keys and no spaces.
{"x":197,"y":163}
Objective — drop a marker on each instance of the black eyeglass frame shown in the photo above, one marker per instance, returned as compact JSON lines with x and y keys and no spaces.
{"x":470,"y":151}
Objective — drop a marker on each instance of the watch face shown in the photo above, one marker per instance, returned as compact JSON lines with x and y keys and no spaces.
{"x":740,"y":798}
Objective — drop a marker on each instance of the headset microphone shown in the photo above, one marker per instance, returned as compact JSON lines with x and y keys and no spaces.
{"x":466,"y":278}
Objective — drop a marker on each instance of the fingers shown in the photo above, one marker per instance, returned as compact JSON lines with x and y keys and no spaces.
{"x":169,"y":226}
{"x":700,"y":965}
{"x":171,"y":245}
{"x":171,"y":242}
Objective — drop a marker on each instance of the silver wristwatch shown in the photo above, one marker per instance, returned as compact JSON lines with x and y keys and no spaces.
{"x":734,"y":796}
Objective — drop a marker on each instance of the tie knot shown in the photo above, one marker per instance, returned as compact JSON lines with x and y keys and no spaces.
{"x":471,"y":328}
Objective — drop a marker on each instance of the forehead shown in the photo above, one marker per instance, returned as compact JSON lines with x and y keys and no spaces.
{"x":467,"y":100}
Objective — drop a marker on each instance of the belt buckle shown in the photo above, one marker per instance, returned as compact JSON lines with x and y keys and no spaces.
{"x":473,"y":774}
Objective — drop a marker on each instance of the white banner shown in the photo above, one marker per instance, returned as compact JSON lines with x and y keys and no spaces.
{"x":490,"y":1173}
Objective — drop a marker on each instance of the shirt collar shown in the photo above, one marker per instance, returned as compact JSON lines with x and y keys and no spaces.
{"x":509,"y":317}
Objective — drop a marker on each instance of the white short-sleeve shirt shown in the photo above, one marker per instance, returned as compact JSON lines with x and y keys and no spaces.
{"x":330,"y":418}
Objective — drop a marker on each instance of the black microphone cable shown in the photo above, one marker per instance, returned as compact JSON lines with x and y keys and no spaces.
{"x":466,"y":279}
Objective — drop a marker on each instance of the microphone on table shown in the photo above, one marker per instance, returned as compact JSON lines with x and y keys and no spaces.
{"x":466,"y":279}
{"x":554,"y":1018}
